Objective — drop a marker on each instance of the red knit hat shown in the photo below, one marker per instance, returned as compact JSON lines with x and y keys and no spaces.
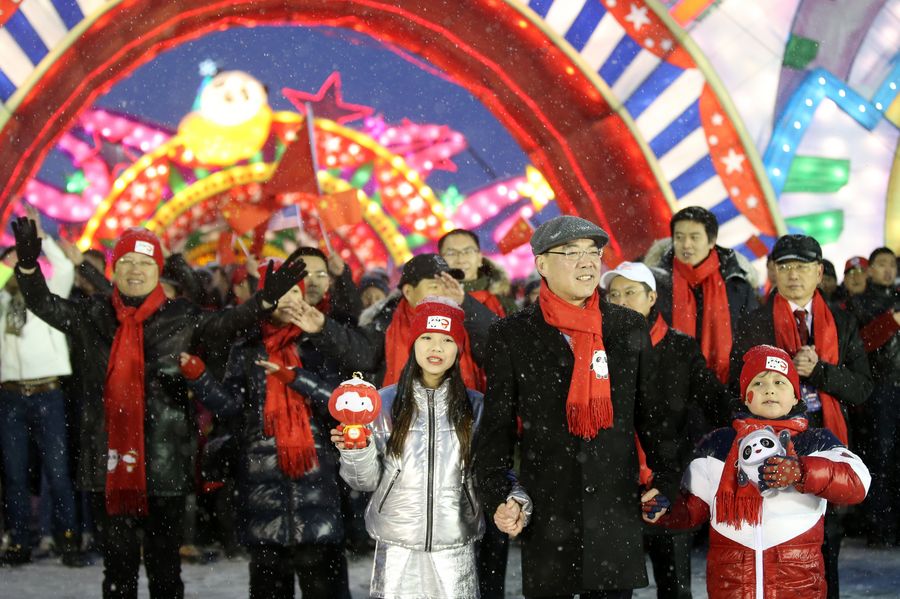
{"x":141,"y":241}
{"x":439,"y":315}
{"x":768,"y":357}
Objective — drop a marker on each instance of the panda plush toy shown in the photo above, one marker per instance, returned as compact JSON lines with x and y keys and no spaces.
{"x":755,"y":449}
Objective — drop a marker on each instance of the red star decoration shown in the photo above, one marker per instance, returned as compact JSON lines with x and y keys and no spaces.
{"x":328,"y":102}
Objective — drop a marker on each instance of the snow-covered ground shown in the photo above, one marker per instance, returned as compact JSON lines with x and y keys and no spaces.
{"x":864,"y":573}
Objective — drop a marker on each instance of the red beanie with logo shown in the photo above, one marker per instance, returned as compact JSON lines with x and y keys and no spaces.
{"x":768,"y":357}
{"x":438,"y":315}
{"x":140,"y":241}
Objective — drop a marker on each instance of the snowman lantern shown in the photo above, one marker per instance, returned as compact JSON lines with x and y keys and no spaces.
{"x":755,"y":449}
{"x":355,"y":403}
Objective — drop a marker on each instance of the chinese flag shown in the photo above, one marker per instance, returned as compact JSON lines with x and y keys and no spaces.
{"x":244,"y":214}
{"x":518,"y":234}
{"x":339,"y":209}
{"x":296,"y":171}
{"x":225,"y":250}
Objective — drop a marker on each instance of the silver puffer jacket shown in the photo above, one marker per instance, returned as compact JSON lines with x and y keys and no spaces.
{"x":423,"y":500}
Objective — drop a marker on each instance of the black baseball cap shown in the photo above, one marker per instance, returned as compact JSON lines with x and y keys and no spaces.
{"x":426,"y":266}
{"x":801,"y":248}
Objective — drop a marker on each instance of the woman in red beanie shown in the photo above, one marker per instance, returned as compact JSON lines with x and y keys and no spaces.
{"x":763,"y":485}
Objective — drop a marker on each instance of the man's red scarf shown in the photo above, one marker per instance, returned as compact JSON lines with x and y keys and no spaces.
{"x":490,"y":301}
{"x":123,"y":400}
{"x":736,"y":505}
{"x":787,"y":337}
{"x":396,"y":350}
{"x":659,"y":330}
{"x":645,"y":474}
{"x":589,"y":403}
{"x":286,"y":414}
{"x":716,"y":327}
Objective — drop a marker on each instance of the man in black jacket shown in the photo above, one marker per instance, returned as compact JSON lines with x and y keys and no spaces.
{"x":826,"y":349}
{"x":708,"y":292}
{"x":878,"y":312}
{"x":137,"y":435}
{"x":576,"y":370}
{"x":697,"y":403}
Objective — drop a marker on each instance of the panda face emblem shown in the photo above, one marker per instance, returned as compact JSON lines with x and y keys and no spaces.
{"x":755,"y":449}
{"x":599,"y":364}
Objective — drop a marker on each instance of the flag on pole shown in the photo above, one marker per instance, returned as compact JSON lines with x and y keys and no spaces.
{"x":519,"y":234}
{"x":286,"y":218}
{"x":339,"y":209}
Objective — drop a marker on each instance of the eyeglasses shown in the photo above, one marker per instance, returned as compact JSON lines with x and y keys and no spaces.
{"x":614,"y":295}
{"x":804,"y":267}
{"x":576,"y":255}
{"x":469,"y":251}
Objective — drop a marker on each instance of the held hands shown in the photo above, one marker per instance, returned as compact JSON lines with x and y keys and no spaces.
{"x":278,"y":282}
{"x":509,"y":518}
{"x":654,"y":505}
{"x":28,"y":244}
{"x":805,"y":360}
{"x":337,"y":437}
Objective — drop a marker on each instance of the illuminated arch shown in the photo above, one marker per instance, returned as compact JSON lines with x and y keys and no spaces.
{"x":556,"y":104}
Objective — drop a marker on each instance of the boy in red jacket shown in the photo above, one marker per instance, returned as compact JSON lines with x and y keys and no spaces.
{"x":763,"y":485}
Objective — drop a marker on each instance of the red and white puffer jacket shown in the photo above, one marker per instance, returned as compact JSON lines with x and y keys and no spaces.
{"x":781,"y":557}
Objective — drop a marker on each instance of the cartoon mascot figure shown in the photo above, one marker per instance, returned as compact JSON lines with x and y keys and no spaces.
{"x":355,"y":403}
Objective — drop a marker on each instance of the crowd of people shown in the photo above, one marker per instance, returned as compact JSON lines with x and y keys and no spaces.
{"x":595,"y":416}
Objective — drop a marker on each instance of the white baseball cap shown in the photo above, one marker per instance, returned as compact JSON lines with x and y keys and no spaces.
{"x":633,"y":271}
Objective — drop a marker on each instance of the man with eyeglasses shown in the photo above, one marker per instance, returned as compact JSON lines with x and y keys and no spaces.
{"x":482,"y":279}
{"x":709,"y":291}
{"x":826,"y":349}
{"x":577,"y":370}
{"x":697,"y":403}
{"x":138,"y":438}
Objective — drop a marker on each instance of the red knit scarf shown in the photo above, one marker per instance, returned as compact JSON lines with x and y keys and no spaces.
{"x":659,"y":330}
{"x":286,"y":414}
{"x":716,"y":332}
{"x":490,"y":301}
{"x":736,"y":505}
{"x":589,"y":404}
{"x":123,"y":400}
{"x":396,"y":351}
{"x":787,"y":337}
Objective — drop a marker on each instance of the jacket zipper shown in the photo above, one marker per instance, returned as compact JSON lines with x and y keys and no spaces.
{"x":430,"y":501}
{"x":758,"y":555}
{"x":388,"y":492}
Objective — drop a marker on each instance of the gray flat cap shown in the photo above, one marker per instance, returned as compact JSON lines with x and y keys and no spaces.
{"x":564,"y":229}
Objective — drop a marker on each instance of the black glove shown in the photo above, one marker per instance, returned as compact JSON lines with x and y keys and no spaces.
{"x":278,"y":282}
{"x":28,"y":244}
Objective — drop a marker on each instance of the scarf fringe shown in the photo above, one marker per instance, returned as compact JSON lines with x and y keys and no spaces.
{"x":735,"y":511}
{"x":297,"y":461}
{"x":122,"y":502}
{"x":586,"y":419}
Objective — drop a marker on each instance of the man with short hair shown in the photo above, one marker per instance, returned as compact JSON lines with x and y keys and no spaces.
{"x":462,"y":250}
{"x":826,"y":349}
{"x":577,"y":371}
{"x":697,"y":403}
{"x":856,"y":276}
{"x":878,"y":311}
{"x":137,"y":433}
{"x":330,"y":286}
{"x":710,"y":292}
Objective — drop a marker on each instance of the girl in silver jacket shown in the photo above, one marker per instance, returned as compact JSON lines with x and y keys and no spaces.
{"x":423,"y":514}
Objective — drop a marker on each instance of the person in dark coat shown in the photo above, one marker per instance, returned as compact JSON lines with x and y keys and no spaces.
{"x":137,"y":433}
{"x":373,"y":347}
{"x":878,"y":312}
{"x":461,"y":249}
{"x":577,"y":371}
{"x":289,"y":504}
{"x":697,"y":403}
{"x":708,"y":292}
{"x":827,"y":351}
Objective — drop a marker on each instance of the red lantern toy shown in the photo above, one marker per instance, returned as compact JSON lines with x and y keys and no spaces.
{"x":355,"y":403}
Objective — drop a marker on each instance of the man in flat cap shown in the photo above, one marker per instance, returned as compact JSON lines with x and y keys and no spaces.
{"x":827,"y":352}
{"x":576,"y":370}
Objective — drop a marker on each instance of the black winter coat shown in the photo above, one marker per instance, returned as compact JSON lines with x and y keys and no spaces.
{"x":849,"y":381}
{"x":170,"y":436}
{"x":273,"y":508}
{"x":877,"y":301}
{"x":741,"y":296}
{"x":362,"y":348}
{"x":586,"y":529}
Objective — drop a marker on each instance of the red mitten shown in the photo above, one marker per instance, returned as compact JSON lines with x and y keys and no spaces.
{"x":779,"y":472}
{"x":285,"y":375}
{"x":193,"y":368}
